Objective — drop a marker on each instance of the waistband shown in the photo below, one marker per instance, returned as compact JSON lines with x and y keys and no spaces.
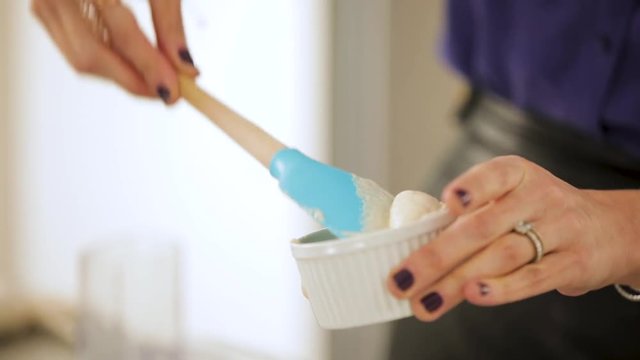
{"x":500,"y":125}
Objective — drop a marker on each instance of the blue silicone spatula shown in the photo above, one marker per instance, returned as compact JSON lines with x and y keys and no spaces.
{"x":343,"y":202}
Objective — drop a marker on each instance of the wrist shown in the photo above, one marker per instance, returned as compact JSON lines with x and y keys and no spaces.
{"x":621,"y":217}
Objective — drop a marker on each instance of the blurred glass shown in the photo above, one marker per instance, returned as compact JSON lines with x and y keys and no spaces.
{"x":130,"y":301}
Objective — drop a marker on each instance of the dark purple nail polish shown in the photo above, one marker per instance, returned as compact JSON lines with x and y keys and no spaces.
{"x":484,"y":289}
{"x":163,"y":93}
{"x":185,"y":56}
{"x":403,"y":279}
{"x":432,"y":301}
{"x":464,"y":197}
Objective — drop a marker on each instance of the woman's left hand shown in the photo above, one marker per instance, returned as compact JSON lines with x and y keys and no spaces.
{"x":591,"y":240}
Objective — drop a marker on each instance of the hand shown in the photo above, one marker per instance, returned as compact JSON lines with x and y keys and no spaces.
{"x":130,"y":59}
{"x":591,"y":240}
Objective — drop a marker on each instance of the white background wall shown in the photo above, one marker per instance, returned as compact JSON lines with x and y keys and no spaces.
{"x":93,"y":164}
{"x":5,"y":266}
{"x":393,"y":105}
{"x":423,"y":94}
{"x":361,"y":126}
{"x":4,"y":244}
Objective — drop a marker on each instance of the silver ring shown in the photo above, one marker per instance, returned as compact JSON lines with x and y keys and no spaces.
{"x":628,"y":292}
{"x":90,"y":10}
{"x":526,"y":229}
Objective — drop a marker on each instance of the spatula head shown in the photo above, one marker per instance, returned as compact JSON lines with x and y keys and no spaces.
{"x":346,"y":204}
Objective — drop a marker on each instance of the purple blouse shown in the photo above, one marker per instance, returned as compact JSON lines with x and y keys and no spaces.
{"x":577,"y":61}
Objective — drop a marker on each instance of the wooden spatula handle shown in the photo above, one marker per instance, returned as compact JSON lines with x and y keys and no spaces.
{"x":253,"y":139}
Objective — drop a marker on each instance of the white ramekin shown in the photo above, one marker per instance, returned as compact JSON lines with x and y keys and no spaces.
{"x":345,"y":279}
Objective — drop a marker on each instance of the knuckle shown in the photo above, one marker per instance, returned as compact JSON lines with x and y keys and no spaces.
{"x":577,"y":270}
{"x":534,"y":275}
{"x":503,"y":177}
{"x":150,"y":66}
{"x":36,"y":4}
{"x":84,"y":62}
{"x":553,"y":194}
{"x":580,"y":262}
{"x":419,"y":312}
{"x":478,"y":227}
{"x":510,"y":254}
{"x":570,"y":291}
{"x":35,"y":7}
{"x":513,"y":159}
{"x":476,"y":167}
{"x":504,"y":170}
{"x":574,"y":223}
{"x":571,"y":222}
{"x":514,"y":164}
{"x":125,"y":44}
{"x":457,"y":279}
{"x":431,"y":258}
{"x":416,"y":307}
{"x":483,"y":230}
{"x":504,"y":161}
{"x":124,"y":32}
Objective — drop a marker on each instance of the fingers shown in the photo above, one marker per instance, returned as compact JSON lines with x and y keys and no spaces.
{"x":48,"y":16}
{"x":129,"y":41}
{"x":503,"y":256}
{"x":468,"y":235}
{"x":479,"y":258}
{"x":484,"y":183}
{"x":114,"y":67}
{"x":167,"y":20}
{"x":131,"y":61}
{"x":73,"y":36}
{"x":91,"y":56}
{"x":534,"y":279}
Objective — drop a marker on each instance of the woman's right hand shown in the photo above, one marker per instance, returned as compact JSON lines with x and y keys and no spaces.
{"x":129,"y":59}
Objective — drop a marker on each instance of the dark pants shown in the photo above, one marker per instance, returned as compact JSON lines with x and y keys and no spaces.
{"x":598,"y":325}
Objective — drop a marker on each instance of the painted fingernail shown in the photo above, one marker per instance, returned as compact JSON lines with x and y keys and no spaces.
{"x":432,"y":301}
{"x":464,"y":197}
{"x":185,"y":56}
{"x":484,"y":289}
{"x":163,"y":93}
{"x":403,"y":279}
